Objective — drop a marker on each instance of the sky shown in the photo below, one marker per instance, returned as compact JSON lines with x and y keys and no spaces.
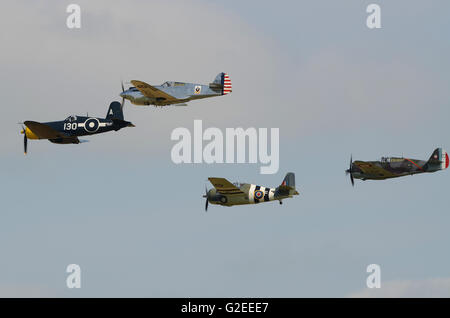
{"x":135,"y":222}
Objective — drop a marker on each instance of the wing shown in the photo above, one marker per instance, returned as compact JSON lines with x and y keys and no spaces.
{"x":375,"y":170}
{"x":66,"y":140}
{"x":43,"y":131}
{"x":152,"y":92}
{"x":224,"y":186}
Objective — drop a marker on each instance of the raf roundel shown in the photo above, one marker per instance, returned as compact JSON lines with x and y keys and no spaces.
{"x":258,"y":194}
{"x":91,"y":125}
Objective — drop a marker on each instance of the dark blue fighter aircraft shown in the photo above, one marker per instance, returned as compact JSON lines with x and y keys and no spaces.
{"x":67,"y":131}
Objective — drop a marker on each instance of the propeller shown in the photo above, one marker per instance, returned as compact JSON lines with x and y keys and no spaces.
{"x":350,"y":171}
{"x":206,"y":196}
{"x":123,"y":98}
{"x":25,"y":140}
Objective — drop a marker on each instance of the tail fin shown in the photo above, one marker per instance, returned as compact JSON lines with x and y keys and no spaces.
{"x":222,"y":82}
{"x":115,"y":111}
{"x":438,"y":161}
{"x":287,"y":187}
{"x":289,"y":180}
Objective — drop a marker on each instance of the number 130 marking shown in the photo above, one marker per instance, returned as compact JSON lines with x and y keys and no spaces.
{"x":70,"y":126}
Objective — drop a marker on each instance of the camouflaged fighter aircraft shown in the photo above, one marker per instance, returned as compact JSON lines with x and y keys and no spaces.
{"x":229,"y":194}
{"x":175,"y":93}
{"x":396,"y":167}
{"x":68,"y":130}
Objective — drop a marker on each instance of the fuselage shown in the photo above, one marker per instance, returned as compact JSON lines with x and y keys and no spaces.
{"x":388,"y":168}
{"x":79,"y":126}
{"x":181,"y":92}
{"x":253,"y":194}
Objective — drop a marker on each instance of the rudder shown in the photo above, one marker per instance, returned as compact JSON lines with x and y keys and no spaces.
{"x":115,"y":111}
{"x":223,"y":82}
{"x":439,"y":160}
{"x":289,"y":180}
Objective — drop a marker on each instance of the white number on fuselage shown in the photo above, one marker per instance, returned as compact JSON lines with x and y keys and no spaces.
{"x":70,"y":126}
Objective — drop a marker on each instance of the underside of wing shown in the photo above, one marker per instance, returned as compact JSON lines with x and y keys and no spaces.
{"x":65,"y":140}
{"x":152,"y":92}
{"x":374,"y":170}
{"x":224,"y":186}
{"x":43,"y":131}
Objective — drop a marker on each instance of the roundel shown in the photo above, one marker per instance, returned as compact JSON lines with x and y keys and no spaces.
{"x":258,"y":194}
{"x":91,"y":125}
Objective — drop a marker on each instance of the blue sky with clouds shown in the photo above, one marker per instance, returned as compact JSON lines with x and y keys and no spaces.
{"x":134,"y":221}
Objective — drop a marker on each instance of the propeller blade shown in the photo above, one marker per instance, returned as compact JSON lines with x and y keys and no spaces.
{"x":123,"y":98}
{"x":351,"y":171}
{"x":206,"y":196}
{"x":25,"y":143}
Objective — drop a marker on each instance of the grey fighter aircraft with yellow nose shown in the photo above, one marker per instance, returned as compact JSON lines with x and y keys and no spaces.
{"x":228,"y":194}
{"x":67,"y":131}
{"x":396,"y":167}
{"x":175,"y":93}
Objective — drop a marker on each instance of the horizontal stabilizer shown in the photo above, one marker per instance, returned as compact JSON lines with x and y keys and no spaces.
{"x":123,"y":123}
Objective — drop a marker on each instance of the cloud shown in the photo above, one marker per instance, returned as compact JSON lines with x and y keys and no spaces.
{"x":434,"y":287}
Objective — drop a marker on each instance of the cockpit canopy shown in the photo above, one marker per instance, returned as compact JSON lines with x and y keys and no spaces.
{"x":391,"y":159}
{"x":71,"y":118}
{"x":171,"y":84}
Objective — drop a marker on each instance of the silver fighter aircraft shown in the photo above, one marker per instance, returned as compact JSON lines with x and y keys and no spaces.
{"x":175,"y":93}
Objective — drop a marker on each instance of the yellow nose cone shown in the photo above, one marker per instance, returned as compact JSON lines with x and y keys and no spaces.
{"x":30,"y":133}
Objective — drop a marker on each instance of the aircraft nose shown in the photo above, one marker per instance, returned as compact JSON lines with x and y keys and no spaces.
{"x":125,"y":95}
